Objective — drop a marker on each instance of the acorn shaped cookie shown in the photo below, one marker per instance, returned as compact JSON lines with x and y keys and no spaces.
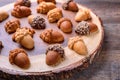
{"x":70,"y":5}
{"x":36,"y":22}
{"x":65,"y":25}
{"x":3,"y":15}
{"x":21,"y":11}
{"x":24,"y":37}
{"x":12,"y":25}
{"x":85,"y":28}
{"x":54,"y":55}
{"x":82,"y":15}
{"x":39,"y":1}
{"x":51,"y":36}
{"x":78,"y":45}
{"x":20,"y":58}
{"x":44,"y":7}
{"x":26,"y":3}
{"x":54,"y":15}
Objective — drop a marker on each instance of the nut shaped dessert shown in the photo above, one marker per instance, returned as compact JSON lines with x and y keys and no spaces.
{"x":39,"y":1}
{"x":82,"y":15}
{"x":78,"y":45}
{"x":3,"y":15}
{"x":44,"y":7}
{"x":51,"y":36}
{"x":37,"y":22}
{"x":20,"y":58}
{"x":85,"y":28}
{"x":26,"y":3}
{"x":24,"y":37}
{"x":70,"y":5}
{"x":54,"y":15}
{"x":54,"y":55}
{"x":12,"y":25}
{"x":65,"y":25}
{"x":21,"y":11}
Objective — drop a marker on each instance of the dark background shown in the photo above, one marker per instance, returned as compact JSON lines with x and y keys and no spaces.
{"x":107,"y":65}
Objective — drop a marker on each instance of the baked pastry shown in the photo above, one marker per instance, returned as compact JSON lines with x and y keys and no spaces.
{"x":44,"y":7}
{"x":51,"y":36}
{"x":39,"y":1}
{"x":54,"y":55}
{"x":20,"y":58}
{"x":3,"y":15}
{"x":1,"y":46}
{"x":85,"y":28}
{"x":70,"y":5}
{"x":26,"y":3}
{"x":54,"y":15}
{"x":24,"y":37}
{"x":82,"y":15}
{"x":65,"y":25}
{"x":12,"y":25}
{"x":77,"y":44}
{"x":37,"y":22}
{"x":21,"y":11}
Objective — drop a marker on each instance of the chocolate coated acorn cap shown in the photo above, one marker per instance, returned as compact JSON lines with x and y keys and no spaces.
{"x":56,"y":47}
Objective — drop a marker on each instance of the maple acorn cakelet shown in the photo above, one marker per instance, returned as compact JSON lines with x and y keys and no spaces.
{"x":70,"y":5}
{"x":21,"y":11}
{"x":39,"y":1}
{"x":24,"y":37}
{"x":3,"y":15}
{"x":85,"y":28}
{"x":44,"y":7}
{"x":77,"y":44}
{"x":20,"y":58}
{"x":36,"y":22}
{"x":26,"y":3}
{"x":51,"y":36}
{"x":54,"y":15}
{"x":65,"y":25}
{"x":12,"y":25}
{"x":82,"y":15}
{"x":54,"y":55}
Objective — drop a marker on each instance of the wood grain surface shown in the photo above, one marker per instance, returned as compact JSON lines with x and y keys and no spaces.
{"x":107,"y":65}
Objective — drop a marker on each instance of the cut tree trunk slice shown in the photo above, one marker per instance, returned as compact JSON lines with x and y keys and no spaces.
{"x":38,"y":69}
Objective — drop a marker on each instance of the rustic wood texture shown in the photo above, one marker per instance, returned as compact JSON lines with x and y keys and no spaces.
{"x":106,"y":66}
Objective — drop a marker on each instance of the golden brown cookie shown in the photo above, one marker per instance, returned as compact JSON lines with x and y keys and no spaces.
{"x":39,"y":1}
{"x":70,"y":5}
{"x":24,"y":37}
{"x":12,"y":25}
{"x":85,"y":28}
{"x":51,"y":36}
{"x":20,"y":58}
{"x":26,"y":3}
{"x":65,"y":25}
{"x":54,"y":15}
{"x":82,"y":14}
{"x":3,"y":15}
{"x":21,"y":11}
{"x":78,"y":45}
{"x":44,"y":7}
{"x":54,"y":55}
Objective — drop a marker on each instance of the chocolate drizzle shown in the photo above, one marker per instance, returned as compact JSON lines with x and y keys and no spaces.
{"x":82,"y":28}
{"x":56,"y":48}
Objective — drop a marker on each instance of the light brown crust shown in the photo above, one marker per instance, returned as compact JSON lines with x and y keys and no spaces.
{"x":39,"y":1}
{"x":51,"y":36}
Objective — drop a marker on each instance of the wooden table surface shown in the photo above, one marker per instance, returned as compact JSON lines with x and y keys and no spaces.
{"x":107,"y":65}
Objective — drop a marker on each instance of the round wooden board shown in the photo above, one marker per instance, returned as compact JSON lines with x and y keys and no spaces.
{"x":38,"y":69}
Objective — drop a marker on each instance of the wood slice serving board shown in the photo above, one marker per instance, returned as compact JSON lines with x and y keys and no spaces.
{"x":38,"y":69}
